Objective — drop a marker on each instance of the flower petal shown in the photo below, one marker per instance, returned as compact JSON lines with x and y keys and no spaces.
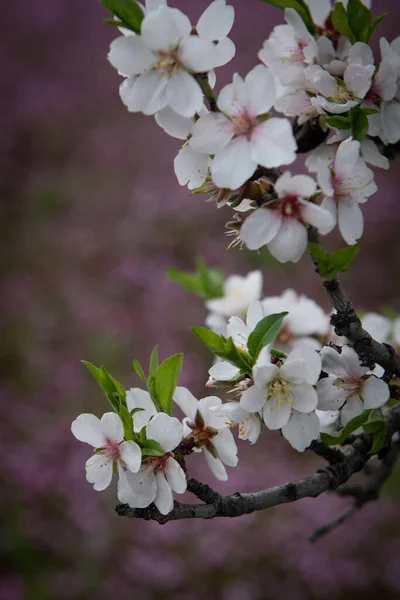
{"x":163,"y":500}
{"x":216,"y":21}
{"x":175,"y":476}
{"x":99,"y":471}
{"x":130,"y":56}
{"x":216,"y":466}
{"x":233,"y":165}
{"x":260,"y":227}
{"x":252,"y":399}
{"x":261,"y":90}
{"x":305,"y":398}
{"x":375,"y":392}
{"x":131,"y":455}
{"x":273,"y":143}
{"x":186,"y":401}
{"x":290,"y":242}
{"x":164,"y":28}
{"x":276,"y":413}
{"x":211,"y":133}
{"x":232,"y":98}
{"x":225,"y":445}
{"x":136,"y":489}
{"x":313,"y":364}
{"x":224,"y":371}
{"x":87,"y":428}
{"x":198,"y":54}
{"x":150,"y":93}
{"x":137,"y":398}
{"x":293,"y":369}
{"x":112,"y":427}
{"x":301,"y":430}
{"x":174,"y":124}
{"x":166,"y":430}
{"x":191,"y":167}
{"x":330,"y":397}
{"x":317,"y":216}
{"x":353,"y":408}
{"x":254,"y":315}
{"x":351,"y":221}
{"x":184,"y":93}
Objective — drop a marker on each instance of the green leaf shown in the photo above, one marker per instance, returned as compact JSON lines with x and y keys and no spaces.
{"x":153,"y":365}
{"x":110,"y":386}
{"x":341,"y":23}
{"x":211,"y":339}
{"x":359,"y":18}
{"x":359,"y":124}
{"x":166,"y":380}
{"x":338,"y":122}
{"x":205,"y":282}
{"x":338,"y":438}
{"x":377,"y":427}
{"x":152,"y":448}
{"x":189,"y":281}
{"x":139,"y":370}
{"x":128,"y":11}
{"x":369,"y":111}
{"x":376,"y":23}
{"x":330,"y":264}
{"x":127,"y":421}
{"x":211,"y":280}
{"x":264,"y":333}
{"x":299,"y":6}
{"x":236,"y":356}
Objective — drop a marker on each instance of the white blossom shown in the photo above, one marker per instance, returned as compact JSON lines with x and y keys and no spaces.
{"x":282,"y":224}
{"x":305,"y":319}
{"x":159,"y":476}
{"x":329,"y":422}
{"x":249,"y":423}
{"x":208,"y":431}
{"x":289,"y":50}
{"x":157,"y":63}
{"x":239,"y":293}
{"x":345,"y":186}
{"x":240,"y":136}
{"x":286,"y":396}
{"x":107,"y":437}
{"x":140,"y":399}
{"x":349,"y":387}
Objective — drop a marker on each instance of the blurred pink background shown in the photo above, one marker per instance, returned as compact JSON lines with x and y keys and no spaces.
{"x":92,"y":215}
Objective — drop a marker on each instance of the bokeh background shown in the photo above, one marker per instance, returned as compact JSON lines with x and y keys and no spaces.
{"x":91,"y":216}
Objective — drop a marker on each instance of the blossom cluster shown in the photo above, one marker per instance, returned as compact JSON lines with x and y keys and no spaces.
{"x":296,"y":381}
{"x":276,"y":355}
{"x":233,"y":141}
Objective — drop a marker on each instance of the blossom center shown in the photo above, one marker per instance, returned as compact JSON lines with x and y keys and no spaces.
{"x":288,"y":206}
{"x":167,"y":62}
{"x":351,"y":385}
{"x":155,"y":464}
{"x":244,"y":124}
{"x":112,"y":451}
{"x":281,"y":390}
{"x":341,"y":96}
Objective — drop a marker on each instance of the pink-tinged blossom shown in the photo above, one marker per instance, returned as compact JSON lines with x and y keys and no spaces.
{"x":158,"y":476}
{"x":289,"y":50}
{"x":285,"y":394}
{"x":240,"y":136}
{"x":208,"y":431}
{"x":157,"y":63}
{"x":282,"y":224}
{"x":107,"y":437}
{"x":345,"y":185}
{"x":349,"y":386}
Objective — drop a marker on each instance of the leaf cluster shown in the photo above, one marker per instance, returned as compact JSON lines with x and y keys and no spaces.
{"x":356,"y":22}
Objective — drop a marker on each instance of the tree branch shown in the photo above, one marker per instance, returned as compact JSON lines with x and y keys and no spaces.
{"x":363,"y":493}
{"x":355,"y":458}
{"x":347,"y":324}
